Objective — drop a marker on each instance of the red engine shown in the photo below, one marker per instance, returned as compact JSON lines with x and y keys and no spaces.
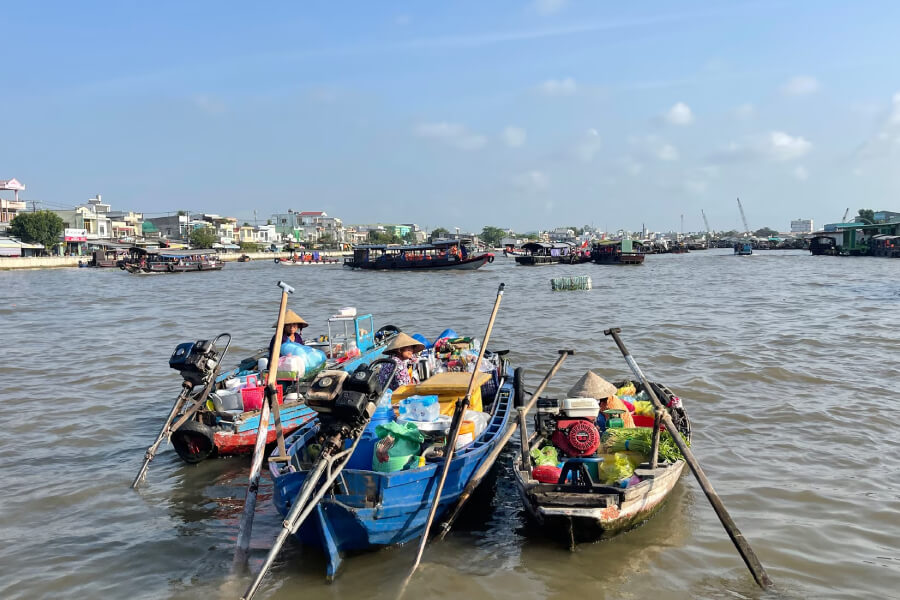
{"x":576,"y":437}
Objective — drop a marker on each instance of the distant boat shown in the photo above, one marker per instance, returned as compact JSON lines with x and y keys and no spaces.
{"x":539,"y":254}
{"x":621,"y":252}
{"x":743,"y":249}
{"x":823,"y":245}
{"x":171,"y":261}
{"x":438,"y":255}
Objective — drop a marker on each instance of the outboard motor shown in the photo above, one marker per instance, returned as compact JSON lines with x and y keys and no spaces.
{"x":195,"y":360}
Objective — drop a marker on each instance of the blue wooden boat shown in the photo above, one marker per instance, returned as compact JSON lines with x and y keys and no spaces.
{"x":368,"y":510}
{"x":743,"y":249}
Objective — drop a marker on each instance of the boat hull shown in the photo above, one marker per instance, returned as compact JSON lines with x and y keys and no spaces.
{"x":372,"y":510}
{"x":466,"y":264}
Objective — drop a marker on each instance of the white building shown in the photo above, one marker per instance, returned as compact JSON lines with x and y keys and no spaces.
{"x":802,"y":226}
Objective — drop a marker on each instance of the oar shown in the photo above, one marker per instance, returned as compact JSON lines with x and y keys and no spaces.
{"x":743,"y":547}
{"x":163,"y":433}
{"x":501,"y":443}
{"x":450,"y":446}
{"x":243,"y":540}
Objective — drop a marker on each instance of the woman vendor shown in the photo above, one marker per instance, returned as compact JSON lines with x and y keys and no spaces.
{"x":293,"y":325}
{"x":592,"y":385}
{"x":403,"y":350}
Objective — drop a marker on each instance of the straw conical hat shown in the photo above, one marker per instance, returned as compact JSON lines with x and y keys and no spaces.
{"x":292,"y":317}
{"x":401,"y":340}
{"x":592,"y":386}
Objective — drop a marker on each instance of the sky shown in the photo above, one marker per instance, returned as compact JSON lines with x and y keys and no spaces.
{"x":517,"y":114}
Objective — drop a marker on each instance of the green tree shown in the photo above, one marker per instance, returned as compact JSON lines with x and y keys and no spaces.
{"x":249,"y":246}
{"x":492,"y":235}
{"x":765,"y":232}
{"x":866,"y":215}
{"x":41,"y":227}
{"x":326,"y":240}
{"x":439,"y":233}
{"x":181,"y":213}
{"x":203,"y":237}
{"x":410,"y":237}
{"x":382,"y":237}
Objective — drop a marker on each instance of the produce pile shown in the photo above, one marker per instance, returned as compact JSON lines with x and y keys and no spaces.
{"x":640,"y":439}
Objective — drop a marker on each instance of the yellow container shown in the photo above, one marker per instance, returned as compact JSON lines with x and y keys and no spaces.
{"x":448,"y":387}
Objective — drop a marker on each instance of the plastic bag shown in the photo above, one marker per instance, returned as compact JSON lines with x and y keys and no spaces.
{"x":299,"y":361}
{"x":397,"y":444}
{"x":615,"y":468}
{"x":643,"y":408}
{"x":626,"y":390}
{"x":545,"y":456}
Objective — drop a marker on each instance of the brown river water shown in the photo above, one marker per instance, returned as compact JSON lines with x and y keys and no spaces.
{"x":787,"y":365}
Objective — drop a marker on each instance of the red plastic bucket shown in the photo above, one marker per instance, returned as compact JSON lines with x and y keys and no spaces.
{"x":252,"y":397}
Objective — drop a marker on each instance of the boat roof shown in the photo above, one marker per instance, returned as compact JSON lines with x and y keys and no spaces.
{"x":176,"y":253}
{"x":539,"y":245}
{"x":412,"y":247}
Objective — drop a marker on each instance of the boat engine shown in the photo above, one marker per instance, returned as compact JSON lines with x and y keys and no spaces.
{"x":572,"y":427}
{"x":195,"y":360}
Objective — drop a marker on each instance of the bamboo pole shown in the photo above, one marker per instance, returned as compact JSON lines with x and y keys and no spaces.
{"x":737,"y":538}
{"x":163,"y":433}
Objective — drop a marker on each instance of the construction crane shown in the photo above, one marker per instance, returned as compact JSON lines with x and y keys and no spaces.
{"x":846,"y":212}
{"x":705,"y":222}
{"x":743,"y":218}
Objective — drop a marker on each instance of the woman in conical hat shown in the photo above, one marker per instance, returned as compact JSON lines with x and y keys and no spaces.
{"x":592,"y":385}
{"x":293,"y":324}
{"x":403,"y":350}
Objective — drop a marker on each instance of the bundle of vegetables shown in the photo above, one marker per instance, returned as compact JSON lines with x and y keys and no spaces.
{"x":643,"y":408}
{"x":640,"y":440}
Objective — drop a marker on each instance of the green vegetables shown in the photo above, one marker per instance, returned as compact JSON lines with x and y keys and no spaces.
{"x":639,"y":439}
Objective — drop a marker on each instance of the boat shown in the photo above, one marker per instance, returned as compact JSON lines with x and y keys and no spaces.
{"x":549,"y":253}
{"x":743,"y":249}
{"x":164,"y":260}
{"x":573,"y":503}
{"x":512,"y":252}
{"x":108,"y":257}
{"x":439,"y":255}
{"x":372,"y":509}
{"x":310,"y":258}
{"x":243,"y":258}
{"x":617,"y":252}
{"x":227,"y":424}
{"x":823,"y":245}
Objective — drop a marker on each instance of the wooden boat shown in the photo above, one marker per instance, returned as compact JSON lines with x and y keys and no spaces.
{"x":243,"y":258}
{"x":369,"y":510}
{"x":436,"y":256}
{"x":621,"y":252}
{"x":171,"y":261}
{"x":549,"y":253}
{"x":743,"y":249}
{"x":823,"y":245}
{"x":214,"y":430}
{"x":108,"y":257}
{"x":577,"y":508}
{"x":511,"y":252}
{"x":313,"y":258}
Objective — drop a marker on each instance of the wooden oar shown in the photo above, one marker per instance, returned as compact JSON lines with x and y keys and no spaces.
{"x":743,"y":547}
{"x":163,"y":433}
{"x":500,"y":444}
{"x":243,"y":540}
{"x":450,"y":446}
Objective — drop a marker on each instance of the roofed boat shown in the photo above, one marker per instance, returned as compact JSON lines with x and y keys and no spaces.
{"x":617,"y":252}
{"x":166,"y":260}
{"x":438,"y":255}
{"x":549,"y":253}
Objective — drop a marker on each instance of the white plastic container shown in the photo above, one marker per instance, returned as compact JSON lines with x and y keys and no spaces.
{"x":232,"y":384}
{"x":419,"y":408}
{"x":580,"y":407}
{"x":347,"y":311}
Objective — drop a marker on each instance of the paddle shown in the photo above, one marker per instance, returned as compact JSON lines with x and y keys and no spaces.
{"x":243,"y":540}
{"x":450,"y":446}
{"x":163,"y":434}
{"x":743,"y":548}
{"x":501,"y":443}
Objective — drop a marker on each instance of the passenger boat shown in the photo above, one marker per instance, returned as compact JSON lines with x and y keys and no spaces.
{"x":574,"y":503}
{"x":313,"y":258}
{"x":171,"y":261}
{"x":108,"y":257}
{"x":549,"y":253}
{"x":621,"y":252}
{"x":436,"y":256}
{"x":743,"y":249}
{"x":823,"y":245}
{"x":371,"y":509}
{"x":227,"y":424}
{"x":511,"y":252}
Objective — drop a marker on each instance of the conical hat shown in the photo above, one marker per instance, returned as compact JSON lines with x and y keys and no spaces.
{"x":292,"y":317}
{"x":592,"y":386}
{"x":401,"y":340}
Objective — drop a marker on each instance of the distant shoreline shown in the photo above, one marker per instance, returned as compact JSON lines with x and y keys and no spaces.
{"x":10,"y":263}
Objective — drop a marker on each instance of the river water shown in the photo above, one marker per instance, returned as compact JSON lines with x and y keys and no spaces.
{"x":786,"y":364}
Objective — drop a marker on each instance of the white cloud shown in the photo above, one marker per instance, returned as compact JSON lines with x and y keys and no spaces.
{"x":776,"y":146}
{"x":886,"y":140}
{"x":652,"y":146}
{"x":558,"y":87}
{"x":800,"y":173}
{"x":548,"y":7}
{"x":531,"y":181}
{"x":783,"y":147}
{"x":680,"y":114}
{"x":667,"y":152}
{"x":588,"y":146}
{"x":800,"y":85}
{"x":745,"y":111}
{"x":514,"y":136}
{"x":209,"y":104}
{"x":452,"y":134}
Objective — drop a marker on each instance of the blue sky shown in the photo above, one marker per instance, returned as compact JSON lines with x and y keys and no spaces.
{"x":458,"y":114}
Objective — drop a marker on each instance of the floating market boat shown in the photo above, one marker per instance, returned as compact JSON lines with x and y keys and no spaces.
{"x":579,"y":501}
{"x":549,"y":253}
{"x":743,"y":249}
{"x":243,"y":258}
{"x":313,"y":258}
{"x":374,"y":506}
{"x":226,"y":422}
{"x":620,"y":252}
{"x":171,"y":261}
{"x":823,"y":245}
{"x":438,"y":255}
{"x":511,"y":252}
